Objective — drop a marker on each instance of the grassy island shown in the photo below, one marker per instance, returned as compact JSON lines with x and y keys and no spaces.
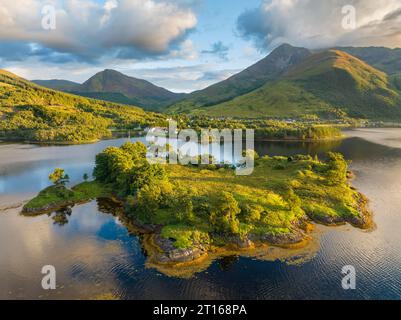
{"x":188,"y":210}
{"x":58,"y":196}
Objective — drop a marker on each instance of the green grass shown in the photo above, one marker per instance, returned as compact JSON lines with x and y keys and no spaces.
{"x":34,"y":113}
{"x":269,"y":190}
{"x":279,"y":99}
{"x":185,"y":236}
{"x":55,"y":196}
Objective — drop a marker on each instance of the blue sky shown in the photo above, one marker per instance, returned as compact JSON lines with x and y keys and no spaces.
{"x":183,"y":45}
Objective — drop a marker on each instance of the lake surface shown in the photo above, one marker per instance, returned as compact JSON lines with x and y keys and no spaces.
{"x":94,"y":253}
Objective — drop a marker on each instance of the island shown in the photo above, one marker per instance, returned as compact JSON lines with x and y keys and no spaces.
{"x":189,"y":211}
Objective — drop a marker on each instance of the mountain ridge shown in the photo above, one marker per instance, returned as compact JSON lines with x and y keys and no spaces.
{"x":111,"y":85}
{"x":327,"y":84}
{"x":249,"y":79}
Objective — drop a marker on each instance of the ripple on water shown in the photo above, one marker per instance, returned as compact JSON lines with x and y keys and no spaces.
{"x":94,"y":254}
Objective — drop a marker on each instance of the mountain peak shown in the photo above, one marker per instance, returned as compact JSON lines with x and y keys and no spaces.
{"x":286,"y":46}
{"x":115,"y":86}
{"x":287,"y":51}
{"x":326,"y":84}
{"x":111,"y":71}
{"x":265,"y":70}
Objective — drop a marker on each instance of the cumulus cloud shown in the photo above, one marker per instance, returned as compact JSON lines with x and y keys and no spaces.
{"x":89,"y":30}
{"x":318,"y":24}
{"x":218,"y":49}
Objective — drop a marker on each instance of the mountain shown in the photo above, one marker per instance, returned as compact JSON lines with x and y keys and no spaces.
{"x":31,"y":112}
{"x":56,"y":84}
{"x":385,"y":59}
{"x":328,"y":84}
{"x":114,"y":86}
{"x":267,"y":69}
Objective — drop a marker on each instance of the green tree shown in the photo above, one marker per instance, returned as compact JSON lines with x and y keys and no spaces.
{"x":145,"y":174}
{"x":58,"y":177}
{"x":111,"y":164}
{"x":336,"y":168}
{"x":181,"y":202}
{"x":85,"y":177}
{"x":223,"y":215}
{"x":148,"y":202}
{"x":251,"y":213}
{"x":136,"y":150}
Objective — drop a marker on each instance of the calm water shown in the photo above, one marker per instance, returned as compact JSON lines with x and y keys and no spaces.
{"x":94,"y":253}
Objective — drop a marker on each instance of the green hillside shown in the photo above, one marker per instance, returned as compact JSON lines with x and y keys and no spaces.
{"x":328,"y":84}
{"x":267,"y":69}
{"x":114,"y":86}
{"x":31,"y":112}
{"x":384,"y":59}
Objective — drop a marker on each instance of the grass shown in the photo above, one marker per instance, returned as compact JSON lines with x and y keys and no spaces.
{"x":269,"y":191}
{"x":184,"y":236}
{"x":34,"y":113}
{"x":57,"y":196}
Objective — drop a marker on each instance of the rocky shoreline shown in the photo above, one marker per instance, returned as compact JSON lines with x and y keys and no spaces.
{"x":164,"y":252}
{"x":364,"y":221}
{"x":47,"y":208}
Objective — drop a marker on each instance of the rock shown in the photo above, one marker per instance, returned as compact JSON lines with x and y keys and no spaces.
{"x":328,"y":220}
{"x":45,"y":209}
{"x":241,"y":243}
{"x":171,"y":254}
{"x":295,"y":237}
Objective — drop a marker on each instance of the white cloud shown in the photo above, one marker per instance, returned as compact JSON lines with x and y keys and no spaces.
{"x":185,"y":51}
{"x":90,"y":29}
{"x":316,"y":23}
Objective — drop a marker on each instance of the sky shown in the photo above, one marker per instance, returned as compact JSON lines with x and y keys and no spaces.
{"x":182,"y":45}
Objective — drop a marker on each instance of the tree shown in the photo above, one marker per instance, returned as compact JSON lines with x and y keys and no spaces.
{"x":252,"y":213}
{"x":111,"y":164}
{"x":127,"y":168}
{"x":148,"y":200}
{"x":136,"y":150}
{"x":143,"y":175}
{"x":180,"y":200}
{"x":58,"y":177}
{"x":223,"y":215}
{"x":85,"y":177}
{"x":336,"y":168}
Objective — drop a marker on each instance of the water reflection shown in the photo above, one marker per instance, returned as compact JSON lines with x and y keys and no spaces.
{"x":226,"y":263}
{"x":94,"y":253}
{"x":60,"y":217}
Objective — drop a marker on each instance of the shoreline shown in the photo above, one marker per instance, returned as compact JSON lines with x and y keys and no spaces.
{"x":163,"y":255}
{"x":301,"y":140}
{"x":67,"y":143}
